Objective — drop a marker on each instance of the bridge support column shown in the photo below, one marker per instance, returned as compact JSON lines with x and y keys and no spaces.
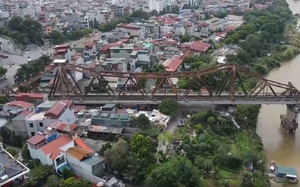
{"x":289,"y":120}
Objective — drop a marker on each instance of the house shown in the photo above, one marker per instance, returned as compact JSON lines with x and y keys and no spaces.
{"x":84,"y":164}
{"x":199,"y":47}
{"x":49,"y":152}
{"x":63,"y":128}
{"x":19,"y":125}
{"x":122,"y":51}
{"x":35,"y":98}
{"x":47,"y":113}
{"x":12,"y":171}
{"x":90,"y":50}
{"x":172,"y":64}
{"x":17,"y":105}
{"x":62,"y":52}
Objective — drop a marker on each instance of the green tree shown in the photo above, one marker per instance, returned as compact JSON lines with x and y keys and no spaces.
{"x":154,"y":13}
{"x":31,"y":69}
{"x":143,"y":121}
{"x":168,"y":107}
{"x":142,"y":81}
{"x":184,"y":38}
{"x":140,"y":14}
{"x":67,"y":173}
{"x":2,"y":71}
{"x":117,"y":156}
{"x":142,"y":157}
{"x":178,"y":171}
{"x":41,"y":173}
{"x":211,"y":120}
{"x":25,"y":152}
{"x":72,"y":182}
{"x":57,"y":37}
{"x":159,"y":68}
{"x":3,"y":99}
{"x":13,"y":152}
{"x":53,"y":181}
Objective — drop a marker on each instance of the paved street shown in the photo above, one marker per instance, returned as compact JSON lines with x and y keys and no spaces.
{"x":33,"y":53}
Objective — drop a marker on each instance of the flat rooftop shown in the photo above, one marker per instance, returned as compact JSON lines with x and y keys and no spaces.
{"x":13,"y":167}
{"x":46,"y":104}
{"x":37,"y":116}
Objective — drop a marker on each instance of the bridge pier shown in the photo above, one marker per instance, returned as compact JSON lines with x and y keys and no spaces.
{"x":289,"y":120}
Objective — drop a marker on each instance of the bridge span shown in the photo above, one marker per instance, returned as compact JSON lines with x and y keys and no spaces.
{"x":186,"y":101}
{"x":224,"y":85}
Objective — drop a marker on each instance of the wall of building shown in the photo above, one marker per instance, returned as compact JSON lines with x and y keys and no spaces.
{"x":83,"y":170}
{"x":121,"y":53}
{"x":37,"y":126}
{"x":19,"y":127}
{"x":38,"y":154}
{"x":68,"y":116}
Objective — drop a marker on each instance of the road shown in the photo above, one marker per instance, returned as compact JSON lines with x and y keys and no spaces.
{"x":180,"y":117}
{"x":34,"y":53}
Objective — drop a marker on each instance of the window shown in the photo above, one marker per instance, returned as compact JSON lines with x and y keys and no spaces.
{"x":32,"y":133}
{"x":129,"y":50}
{"x":41,"y":124}
{"x":31,"y":125}
{"x":116,"y":51}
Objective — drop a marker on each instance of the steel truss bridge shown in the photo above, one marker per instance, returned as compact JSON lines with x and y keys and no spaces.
{"x":223,"y":84}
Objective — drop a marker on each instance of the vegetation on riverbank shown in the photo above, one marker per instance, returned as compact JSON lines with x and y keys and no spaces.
{"x":262,"y":41}
{"x":267,"y":39}
{"x":209,"y":150}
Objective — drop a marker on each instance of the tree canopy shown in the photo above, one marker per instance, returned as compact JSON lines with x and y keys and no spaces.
{"x":168,"y":107}
{"x":31,"y":69}
{"x":24,"y":30}
{"x":178,"y":171}
{"x":118,"y":156}
{"x":2,"y":71}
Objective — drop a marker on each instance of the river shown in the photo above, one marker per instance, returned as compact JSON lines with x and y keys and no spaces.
{"x":279,"y":146}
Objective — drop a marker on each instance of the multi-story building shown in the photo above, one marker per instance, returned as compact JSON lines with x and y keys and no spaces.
{"x":157,"y":5}
{"x":17,"y":105}
{"x":122,"y":51}
{"x":50,"y":150}
{"x":47,"y":113}
{"x":62,"y":52}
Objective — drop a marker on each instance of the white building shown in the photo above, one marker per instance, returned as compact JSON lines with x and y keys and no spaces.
{"x":17,"y":105}
{"x":157,"y":5}
{"x":47,"y":113}
{"x":49,"y":152}
{"x":84,"y":164}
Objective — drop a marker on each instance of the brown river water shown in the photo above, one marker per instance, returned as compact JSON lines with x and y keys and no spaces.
{"x":279,"y":146}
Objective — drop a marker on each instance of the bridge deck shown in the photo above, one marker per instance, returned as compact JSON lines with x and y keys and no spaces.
{"x":189,"y":101}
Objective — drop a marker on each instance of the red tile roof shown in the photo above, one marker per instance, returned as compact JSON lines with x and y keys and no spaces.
{"x":54,"y":154}
{"x":89,"y":45}
{"x":30,"y":95}
{"x":78,"y":108}
{"x":199,"y":46}
{"x":63,"y":126}
{"x":21,"y":104}
{"x":55,"y":144}
{"x":65,"y":46}
{"x":36,"y":139}
{"x":186,"y":54}
{"x":58,"y":108}
{"x":79,"y":153}
{"x":172,"y":64}
{"x":83,"y":145}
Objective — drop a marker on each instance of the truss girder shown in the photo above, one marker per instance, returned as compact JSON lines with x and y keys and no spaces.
{"x":231,"y":83}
